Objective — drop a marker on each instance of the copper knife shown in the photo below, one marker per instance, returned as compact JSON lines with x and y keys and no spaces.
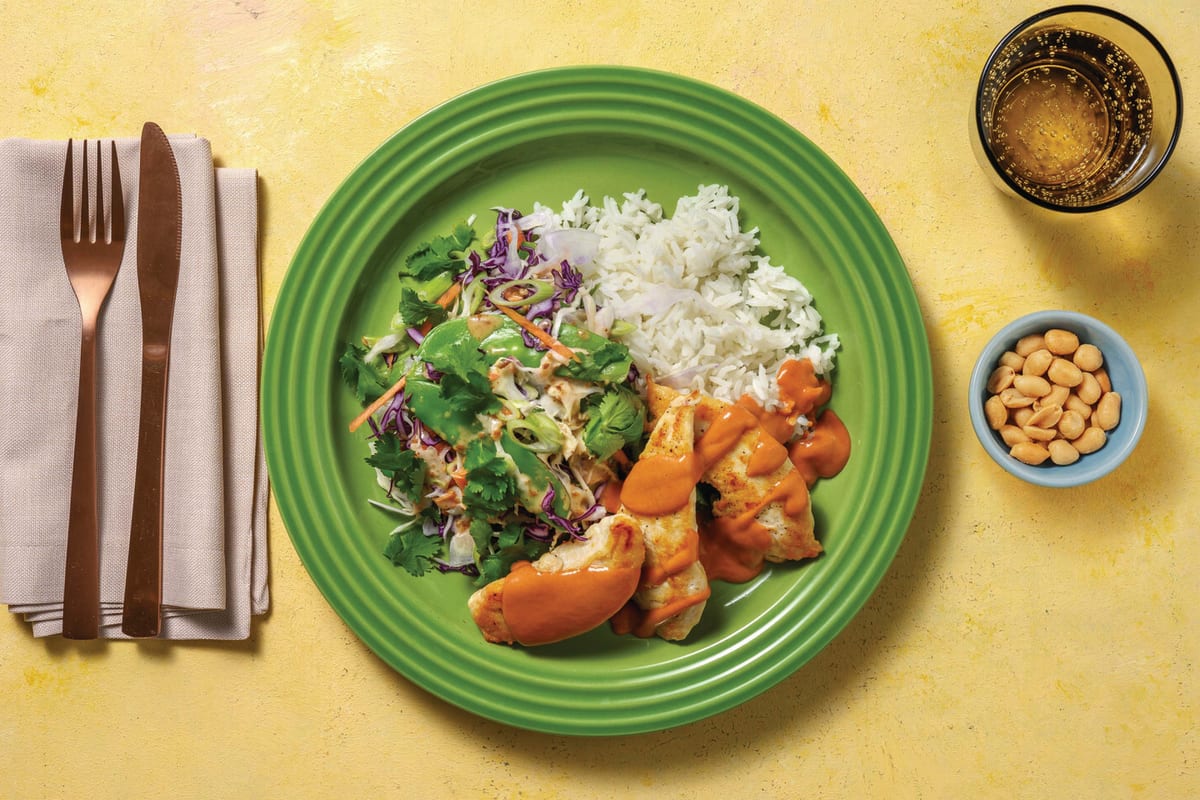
{"x":159,"y":241}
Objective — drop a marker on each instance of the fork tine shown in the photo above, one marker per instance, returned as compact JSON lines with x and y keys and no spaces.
{"x":101,"y":230}
{"x":117,"y":213}
{"x":85,"y":213}
{"x":66,"y":214}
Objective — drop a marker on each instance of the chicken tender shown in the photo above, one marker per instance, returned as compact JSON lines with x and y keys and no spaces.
{"x":569,"y":590}
{"x":775,"y":498}
{"x":661,"y":493}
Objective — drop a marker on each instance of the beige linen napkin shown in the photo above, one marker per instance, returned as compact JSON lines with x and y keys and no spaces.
{"x":214,"y":515}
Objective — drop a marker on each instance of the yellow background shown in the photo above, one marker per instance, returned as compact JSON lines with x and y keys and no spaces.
{"x":1025,"y":643}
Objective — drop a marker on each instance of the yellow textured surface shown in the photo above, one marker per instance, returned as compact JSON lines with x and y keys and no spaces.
{"x":1026,"y":642}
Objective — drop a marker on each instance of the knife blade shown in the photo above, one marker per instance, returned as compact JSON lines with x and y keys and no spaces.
{"x":159,"y":246}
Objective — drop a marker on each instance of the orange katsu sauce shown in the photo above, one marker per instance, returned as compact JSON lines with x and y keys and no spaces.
{"x":800,"y":387}
{"x":768,"y":455}
{"x":824,"y":451}
{"x":733,"y":547}
{"x":610,"y":496}
{"x":659,"y":485}
{"x":546,"y":607}
{"x":643,"y":622}
{"x":723,"y":434}
{"x":681,"y":559}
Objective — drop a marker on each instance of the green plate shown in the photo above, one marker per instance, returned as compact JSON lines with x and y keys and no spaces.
{"x":542,"y":136}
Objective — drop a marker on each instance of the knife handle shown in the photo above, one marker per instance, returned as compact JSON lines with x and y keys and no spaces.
{"x":143,"y":576}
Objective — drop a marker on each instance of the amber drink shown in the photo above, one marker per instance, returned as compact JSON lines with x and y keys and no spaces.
{"x":1067,"y":115}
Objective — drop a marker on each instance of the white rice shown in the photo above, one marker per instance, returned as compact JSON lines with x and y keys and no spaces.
{"x":697,"y":293}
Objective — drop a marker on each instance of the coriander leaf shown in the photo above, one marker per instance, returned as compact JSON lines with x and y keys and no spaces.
{"x":451,"y":347}
{"x":441,"y":254}
{"x":401,"y":465}
{"x":459,"y":354}
{"x":496,"y":565}
{"x":616,"y":419}
{"x":412,"y":549}
{"x":600,"y":360}
{"x":491,"y":487}
{"x":416,"y":312}
{"x":509,"y":535}
{"x":471,"y":394}
{"x":367,"y":380}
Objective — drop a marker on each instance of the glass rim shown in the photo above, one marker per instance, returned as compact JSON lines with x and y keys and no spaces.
{"x":1103,"y":12}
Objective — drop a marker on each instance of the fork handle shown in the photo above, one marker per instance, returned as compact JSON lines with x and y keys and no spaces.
{"x":81,"y":582}
{"x":143,"y":577}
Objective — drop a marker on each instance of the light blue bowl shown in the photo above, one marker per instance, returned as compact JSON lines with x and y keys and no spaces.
{"x":1127,"y":379}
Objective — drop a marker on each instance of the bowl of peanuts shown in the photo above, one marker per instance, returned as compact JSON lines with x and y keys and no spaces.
{"x":1058,"y":399}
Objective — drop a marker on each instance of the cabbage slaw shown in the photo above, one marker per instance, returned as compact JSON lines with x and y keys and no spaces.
{"x":519,"y":405}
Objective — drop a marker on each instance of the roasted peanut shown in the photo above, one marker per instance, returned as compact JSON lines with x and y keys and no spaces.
{"x":1103,"y":379}
{"x":1037,"y":362}
{"x":1014,"y":398}
{"x":1057,"y":397}
{"x":1108,"y":411}
{"x":1062,"y":452}
{"x":1089,"y":390}
{"x":1000,"y":379}
{"x":1031,"y":385}
{"x":1046,"y":417}
{"x":1088,"y":358}
{"x":1060,"y":342}
{"x":1064,"y":373}
{"x":1090,"y":441}
{"x":1020,"y":416}
{"x":995,"y":412}
{"x":1029,"y":452}
{"x":1076,"y":404}
{"x":1011,"y":435}
{"x":1072,"y":424}
{"x":1027,"y":344}
{"x":1012,"y":360}
{"x":1038,"y":433}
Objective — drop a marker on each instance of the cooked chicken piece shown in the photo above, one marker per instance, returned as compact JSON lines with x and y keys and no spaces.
{"x":777,"y":499}
{"x":674,"y":588}
{"x":568,"y":591}
{"x":681,"y":597}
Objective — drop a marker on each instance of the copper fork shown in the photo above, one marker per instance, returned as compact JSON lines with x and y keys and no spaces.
{"x":92,"y":260}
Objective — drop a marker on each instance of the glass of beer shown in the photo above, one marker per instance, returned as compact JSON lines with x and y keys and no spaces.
{"x":1078,"y":109}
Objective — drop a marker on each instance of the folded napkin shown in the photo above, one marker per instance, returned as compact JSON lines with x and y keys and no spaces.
{"x":215,"y":493}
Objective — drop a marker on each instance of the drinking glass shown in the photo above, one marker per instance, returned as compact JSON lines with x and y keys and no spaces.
{"x":1078,"y":109}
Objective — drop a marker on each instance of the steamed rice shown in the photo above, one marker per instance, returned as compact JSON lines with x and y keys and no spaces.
{"x":709,"y":312}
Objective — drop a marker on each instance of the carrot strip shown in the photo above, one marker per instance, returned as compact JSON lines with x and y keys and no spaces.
{"x":448,"y":296}
{"x":378,"y":404}
{"x":444,"y":301}
{"x":540,"y":335}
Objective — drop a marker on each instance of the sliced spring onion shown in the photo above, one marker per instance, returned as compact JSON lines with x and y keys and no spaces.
{"x":539,"y":290}
{"x":537,"y":432}
{"x":620,"y":328}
